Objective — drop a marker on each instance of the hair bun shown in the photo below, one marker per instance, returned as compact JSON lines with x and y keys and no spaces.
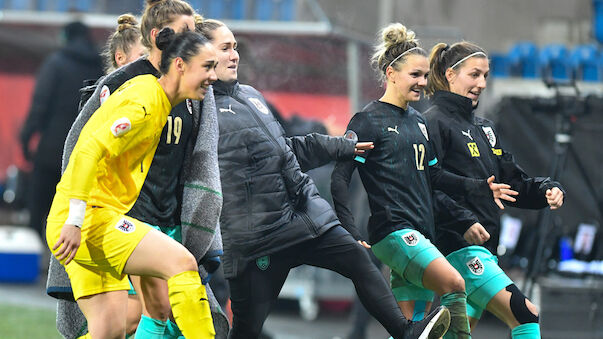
{"x":164,"y":38}
{"x":396,"y":34}
{"x":126,"y":21}
{"x":199,"y":19}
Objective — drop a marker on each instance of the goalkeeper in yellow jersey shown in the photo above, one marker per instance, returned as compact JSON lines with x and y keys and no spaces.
{"x":87,"y":229}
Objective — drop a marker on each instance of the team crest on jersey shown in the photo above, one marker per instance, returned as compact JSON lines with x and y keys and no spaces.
{"x":476,"y":266}
{"x":125,"y":226}
{"x":410,"y":239}
{"x":189,"y":105}
{"x":263,"y":262}
{"x":423,"y":129}
{"x":351,"y":135}
{"x":490,"y":135}
{"x":121,"y":126}
{"x":259,"y":105}
{"x":104,"y":94}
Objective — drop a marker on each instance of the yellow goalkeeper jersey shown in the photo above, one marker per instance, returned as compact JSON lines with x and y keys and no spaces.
{"x":115,"y":148}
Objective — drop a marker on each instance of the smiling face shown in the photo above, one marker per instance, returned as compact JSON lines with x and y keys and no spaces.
{"x":228,"y":56}
{"x":470,"y":79}
{"x":198,"y":73}
{"x":409,"y":80}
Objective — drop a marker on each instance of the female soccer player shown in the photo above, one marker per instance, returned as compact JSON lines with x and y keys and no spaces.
{"x":398,"y":175}
{"x":124,"y":45}
{"x":273,"y":217}
{"x":87,"y":229}
{"x":469,"y":145}
{"x":160,"y":201}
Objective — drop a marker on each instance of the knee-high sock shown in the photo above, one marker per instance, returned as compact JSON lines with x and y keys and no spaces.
{"x":172,"y":331}
{"x":190,"y":306}
{"x":526,"y":331}
{"x":149,"y":328}
{"x":456,"y":302}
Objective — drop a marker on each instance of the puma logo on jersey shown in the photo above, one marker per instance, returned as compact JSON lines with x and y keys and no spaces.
{"x":229,"y":109}
{"x":467,"y":134}
{"x":389,"y":129}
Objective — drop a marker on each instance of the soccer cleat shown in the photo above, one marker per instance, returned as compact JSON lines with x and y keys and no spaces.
{"x":433,"y":326}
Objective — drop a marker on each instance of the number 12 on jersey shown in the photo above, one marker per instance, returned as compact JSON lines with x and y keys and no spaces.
{"x":419,"y":156}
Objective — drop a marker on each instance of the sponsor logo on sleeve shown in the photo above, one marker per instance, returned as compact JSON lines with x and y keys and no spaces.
{"x":125,"y":225}
{"x":104,"y":94}
{"x":476,"y":266}
{"x":120,"y":127}
{"x":259,"y":105}
{"x":423,"y":129}
{"x":490,"y":135}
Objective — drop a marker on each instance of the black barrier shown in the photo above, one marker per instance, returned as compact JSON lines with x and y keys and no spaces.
{"x":561,"y":137}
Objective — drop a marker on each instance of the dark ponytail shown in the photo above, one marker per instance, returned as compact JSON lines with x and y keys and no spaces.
{"x":173,"y":45}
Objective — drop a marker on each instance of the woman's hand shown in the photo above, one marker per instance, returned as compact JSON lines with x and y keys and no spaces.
{"x":364,"y":244}
{"x":554,"y":197}
{"x":69,"y":242}
{"x":476,"y":234}
{"x":501,"y":191}
{"x":363,"y":146}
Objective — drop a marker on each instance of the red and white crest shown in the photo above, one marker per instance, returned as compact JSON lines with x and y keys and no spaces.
{"x":104,"y":94}
{"x":121,"y":126}
{"x":410,"y":239}
{"x":189,"y":105}
{"x":490,"y":135}
{"x":259,"y":105}
{"x":423,"y":129}
{"x":125,"y":226}
{"x":476,"y":266}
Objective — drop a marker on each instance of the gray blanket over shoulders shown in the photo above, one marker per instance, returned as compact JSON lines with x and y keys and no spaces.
{"x":202,"y":203}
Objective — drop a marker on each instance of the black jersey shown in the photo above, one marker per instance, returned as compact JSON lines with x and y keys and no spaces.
{"x":159,"y":200}
{"x":395,"y":173}
{"x":470,"y":146}
{"x":398,"y":174}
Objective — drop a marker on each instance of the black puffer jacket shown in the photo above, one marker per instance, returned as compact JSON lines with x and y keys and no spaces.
{"x":269,"y":203}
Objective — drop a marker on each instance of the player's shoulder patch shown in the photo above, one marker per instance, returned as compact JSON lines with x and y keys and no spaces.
{"x":349,"y":134}
{"x":104,"y":94}
{"x":121,"y":126}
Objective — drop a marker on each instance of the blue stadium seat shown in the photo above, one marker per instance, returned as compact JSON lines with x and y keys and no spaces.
{"x":554,"y":60}
{"x":499,"y":65}
{"x":585,"y":63}
{"x":598,"y":20}
{"x":221,"y":9}
{"x":523,"y":59}
{"x":283,"y":10}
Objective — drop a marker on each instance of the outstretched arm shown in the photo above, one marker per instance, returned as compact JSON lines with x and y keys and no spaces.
{"x":340,"y":191}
